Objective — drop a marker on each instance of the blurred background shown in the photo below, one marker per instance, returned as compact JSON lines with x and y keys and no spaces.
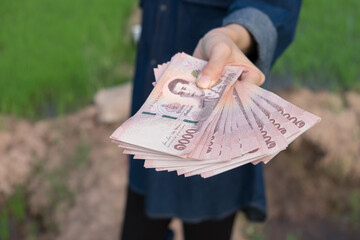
{"x":65,"y":83}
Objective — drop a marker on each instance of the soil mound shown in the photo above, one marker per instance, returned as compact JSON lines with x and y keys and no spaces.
{"x":75,"y":179}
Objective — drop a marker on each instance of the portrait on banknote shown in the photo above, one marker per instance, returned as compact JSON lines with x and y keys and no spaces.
{"x":188,"y":89}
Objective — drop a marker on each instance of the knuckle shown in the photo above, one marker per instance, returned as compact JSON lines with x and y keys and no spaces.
{"x":223,"y":47}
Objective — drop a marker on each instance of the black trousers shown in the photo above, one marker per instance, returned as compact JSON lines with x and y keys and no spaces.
{"x":138,"y":226}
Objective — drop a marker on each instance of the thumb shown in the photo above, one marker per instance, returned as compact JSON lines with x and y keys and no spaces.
{"x":211,"y":73}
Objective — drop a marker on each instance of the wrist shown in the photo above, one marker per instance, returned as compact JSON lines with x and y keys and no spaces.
{"x":240,"y":36}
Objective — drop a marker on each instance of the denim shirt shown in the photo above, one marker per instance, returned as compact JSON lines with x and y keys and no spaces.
{"x":171,"y":26}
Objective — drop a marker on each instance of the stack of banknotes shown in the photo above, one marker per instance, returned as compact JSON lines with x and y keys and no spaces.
{"x":205,"y":132}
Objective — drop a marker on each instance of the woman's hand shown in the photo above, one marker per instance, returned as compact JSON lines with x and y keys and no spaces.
{"x":226,"y":46}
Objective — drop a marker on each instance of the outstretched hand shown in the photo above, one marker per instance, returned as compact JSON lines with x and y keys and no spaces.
{"x":226,"y":46}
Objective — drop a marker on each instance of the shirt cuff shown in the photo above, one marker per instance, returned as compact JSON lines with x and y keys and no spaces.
{"x":262,"y":29}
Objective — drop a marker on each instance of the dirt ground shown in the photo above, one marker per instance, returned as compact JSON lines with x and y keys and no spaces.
{"x":75,"y":179}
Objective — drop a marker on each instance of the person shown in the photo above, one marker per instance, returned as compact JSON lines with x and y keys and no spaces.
{"x":252,"y":33}
{"x":185,"y":89}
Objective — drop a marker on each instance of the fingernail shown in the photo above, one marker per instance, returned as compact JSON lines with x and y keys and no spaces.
{"x":204,"y":82}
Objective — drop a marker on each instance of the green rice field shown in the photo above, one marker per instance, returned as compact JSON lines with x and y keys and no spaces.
{"x":54,"y":55}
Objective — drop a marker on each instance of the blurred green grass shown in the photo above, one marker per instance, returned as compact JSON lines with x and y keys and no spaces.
{"x":326,"y":50}
{"x":55,"y":54}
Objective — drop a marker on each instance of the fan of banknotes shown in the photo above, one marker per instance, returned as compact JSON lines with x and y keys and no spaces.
{"x":206,"y":132}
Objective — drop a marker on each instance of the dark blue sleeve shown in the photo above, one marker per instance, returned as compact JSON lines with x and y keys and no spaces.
{"x":283,"y":14}
{"x":272,"y":24}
